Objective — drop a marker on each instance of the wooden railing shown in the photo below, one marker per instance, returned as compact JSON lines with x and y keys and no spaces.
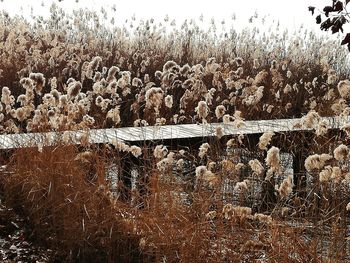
{"x":165,"y":132}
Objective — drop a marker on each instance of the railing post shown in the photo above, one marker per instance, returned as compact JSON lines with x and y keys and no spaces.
{"x":299,"y":176}
{"x":124,"y":178}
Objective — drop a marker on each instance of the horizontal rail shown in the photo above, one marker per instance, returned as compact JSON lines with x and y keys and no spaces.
{"x":152,"y":133}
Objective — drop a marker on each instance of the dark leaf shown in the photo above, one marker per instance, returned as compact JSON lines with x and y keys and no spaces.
{"x":318,"y":19}
{"x":342,"y":19}
{"x":337,"y":6}
{"x":335,"y":29}
{"x":346,"y":39}
{"x":338,"y":23}
{"x":327,"y":10}
{"x":347,"y":1}
{"x":326,"y":24}
{"x":312,"y":9}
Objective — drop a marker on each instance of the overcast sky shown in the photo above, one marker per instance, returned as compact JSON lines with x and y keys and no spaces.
{"x":290,"y":13}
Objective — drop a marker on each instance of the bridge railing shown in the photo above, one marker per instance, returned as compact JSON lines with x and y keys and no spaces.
{"x":154,"y":133}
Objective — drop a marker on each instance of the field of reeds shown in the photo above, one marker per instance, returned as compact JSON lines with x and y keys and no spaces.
{"x":272,"y":197}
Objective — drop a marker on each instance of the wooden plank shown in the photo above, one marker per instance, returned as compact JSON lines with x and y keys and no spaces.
{"x":180,"y":131}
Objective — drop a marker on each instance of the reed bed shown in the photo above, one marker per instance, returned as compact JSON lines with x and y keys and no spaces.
{"x":272,"y":197}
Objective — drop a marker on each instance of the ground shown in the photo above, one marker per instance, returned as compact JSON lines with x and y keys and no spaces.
{"x":15,"y":241}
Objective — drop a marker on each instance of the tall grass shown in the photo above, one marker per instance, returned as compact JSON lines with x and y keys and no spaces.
{"x":222,"y":199}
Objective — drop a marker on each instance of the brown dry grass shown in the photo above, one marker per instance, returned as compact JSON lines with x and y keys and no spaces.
{"x":171,"y":216}
{"x":76,"y":214}
{"x":66,"y":209}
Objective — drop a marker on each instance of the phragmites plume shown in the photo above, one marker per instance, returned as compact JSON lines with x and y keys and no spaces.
{"x":95,"y":63}
{"x":97,"y":76}
{"x":219,"y":132}
{"x":273,"y":161}
{"x":140,"y":123}
{"x":203,"y":150}
{"x":74,"y":89}
{"x":287,"y":89}
{"x":262,"y":218}
{"x":120,"y":146}
{"x":336,"y":174}
{"x":286,"y":187}
{"x":88,"y":121}
{"x":154,"y":99}
{"x":325,"y":174}
{"x":111,"y":73}
{"x":341,"y":153}
{"x":220,"y":111}
{"x":53,"y":83}
{"x":202,"y":110}
{"x":84,"y":139}
{"x":160,"y":121}
{"x":254,"y":98}
{"x":168,"y":101}
{"x":169,"y":65}
{"x":101,"y":102}
{"x":211,"y":166}
{"x":205,"y":175}
{"x":158,"y":74}
{"x":310,"y":120}
{"x":322,"y":128}
{"x":124,"y":82}
{"x":265,"y":139}
{"x":339,"y":106}
{"x":135,"y":150}
{"x":49,"y":100}
{"x":316,"y":161}
{"x":344,"y":88}
{"x":261,"y":78}
{"x":256,"y":166}
{"x":39,"y":81}
{"x":166,"y":163}
{"x":332,"y":77}
{"x":136,"y":82}
{"x":185,"y":69}
{"x":180,"y":164}
{"x":160,"y":151}
{"x":230,"y":144}
{"x":348,"y":207}
{"x":242,"y":186}
{"x":211,"y":66}
{"x":114,"y":115}
{"x":21,"y":114}
{"x":6,"y":97}
{"x":229,"y":212}
{"x":27,"y":83}
{"x":226,"y":119}
{"x":63,"y":101}
{"x":238,"y":120}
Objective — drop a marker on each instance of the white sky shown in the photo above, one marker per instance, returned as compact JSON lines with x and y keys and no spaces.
{"x":290,"y":13}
